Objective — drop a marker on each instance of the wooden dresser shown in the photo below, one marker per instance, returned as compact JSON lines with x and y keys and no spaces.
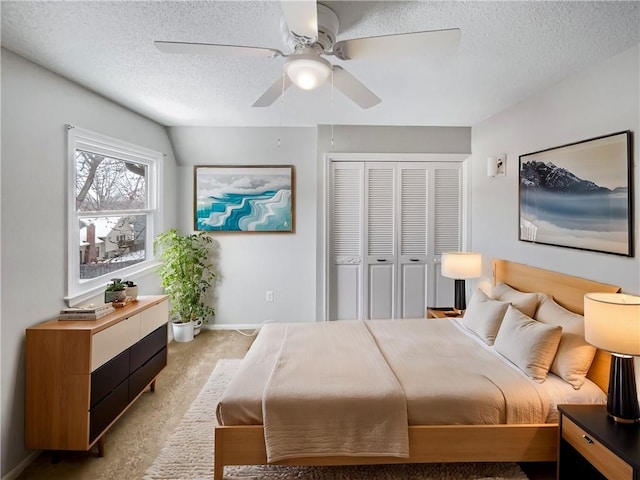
{"x":82,"y":375}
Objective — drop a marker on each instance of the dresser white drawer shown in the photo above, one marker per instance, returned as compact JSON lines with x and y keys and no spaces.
{"x":153,"y":317}
{"x":110,"y":342}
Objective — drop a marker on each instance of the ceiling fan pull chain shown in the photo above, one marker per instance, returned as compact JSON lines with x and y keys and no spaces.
{"x":332,"y":143}
{"x":281,"y":108}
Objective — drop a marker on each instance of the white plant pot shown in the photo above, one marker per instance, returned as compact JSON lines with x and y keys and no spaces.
{"x":132,"y":292}
{"x":196,"y":327}
{"x":182,"y":332}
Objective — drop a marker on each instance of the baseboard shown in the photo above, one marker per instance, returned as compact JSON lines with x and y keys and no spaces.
{"x":16,"y":471}
{"x":231,"y":326}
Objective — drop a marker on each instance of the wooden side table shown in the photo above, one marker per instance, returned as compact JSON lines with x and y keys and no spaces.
{"x":592,"y":446}
{"x":443,"y":313}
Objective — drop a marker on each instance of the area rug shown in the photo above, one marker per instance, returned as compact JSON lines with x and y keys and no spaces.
{"x":188,"y":453}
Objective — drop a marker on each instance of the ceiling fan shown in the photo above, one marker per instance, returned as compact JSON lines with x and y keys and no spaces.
{"x":310,"y":29}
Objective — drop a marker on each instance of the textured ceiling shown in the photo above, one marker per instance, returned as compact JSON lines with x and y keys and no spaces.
{"x":508,"y":51}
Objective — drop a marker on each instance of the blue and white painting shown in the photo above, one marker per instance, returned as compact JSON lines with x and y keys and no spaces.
{"x":578,"y":196}
{"x":244,"y":199}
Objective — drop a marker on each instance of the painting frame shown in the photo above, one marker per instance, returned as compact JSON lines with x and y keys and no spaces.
{"x":579,"y":195}
{"x":244,"y":198}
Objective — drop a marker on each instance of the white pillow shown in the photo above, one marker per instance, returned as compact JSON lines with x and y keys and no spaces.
{"x":484,"y":315}
{"x":574,"y":356}
{"x":527,"y":303}
{"x":529,"y":344}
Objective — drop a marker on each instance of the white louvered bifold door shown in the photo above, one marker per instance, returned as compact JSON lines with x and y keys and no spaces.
{"x":446,"y":190}
{"x":389,"y":223}
{"x":346,"y":241}
{"x":380,"y":240}
{"x":412,"y":232}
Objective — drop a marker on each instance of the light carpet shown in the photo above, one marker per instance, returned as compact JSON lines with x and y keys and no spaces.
{"x":188,"y":453}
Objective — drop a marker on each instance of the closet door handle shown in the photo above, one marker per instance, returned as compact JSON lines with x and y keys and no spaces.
{"x":414,"y":259}
{"x":381,"y":260}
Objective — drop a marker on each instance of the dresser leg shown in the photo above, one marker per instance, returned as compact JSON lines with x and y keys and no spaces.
{"x":152,"y":386}
{"x":100,"y":445}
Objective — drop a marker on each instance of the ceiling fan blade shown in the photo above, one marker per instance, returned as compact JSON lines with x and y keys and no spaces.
{"x":301,"y":17}
{"x":402,"y":44}
{"x":273,"y":92}
{"x":353,"y":88}
{"x":216,"y":49}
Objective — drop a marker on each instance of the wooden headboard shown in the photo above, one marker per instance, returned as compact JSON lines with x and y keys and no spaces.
{"x":566,"y":290}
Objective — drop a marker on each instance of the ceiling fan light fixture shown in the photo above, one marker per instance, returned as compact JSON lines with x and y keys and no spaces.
{"x":307,"y":71}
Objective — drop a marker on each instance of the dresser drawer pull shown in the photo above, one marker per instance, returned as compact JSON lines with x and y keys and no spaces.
{"x":587,"y":439}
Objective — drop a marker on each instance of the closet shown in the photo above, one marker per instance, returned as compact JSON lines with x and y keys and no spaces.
{"x":388,"y":223}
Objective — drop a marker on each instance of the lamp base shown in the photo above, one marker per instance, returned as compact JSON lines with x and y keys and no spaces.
{"x":459,"y":300}
{"x":622,"y":399}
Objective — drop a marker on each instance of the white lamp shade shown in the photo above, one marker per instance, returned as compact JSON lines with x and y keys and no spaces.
{"x":461,"y":265}
{"x":612,"y":322}
{"x":307,"y":71}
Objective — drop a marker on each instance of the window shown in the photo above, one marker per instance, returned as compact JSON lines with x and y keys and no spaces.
{"x":114,"y":211}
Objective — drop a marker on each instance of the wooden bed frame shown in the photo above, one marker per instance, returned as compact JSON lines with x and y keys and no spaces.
{"x":244,"y":445}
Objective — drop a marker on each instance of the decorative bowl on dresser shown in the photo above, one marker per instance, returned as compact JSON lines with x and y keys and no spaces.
{"x":82,"y":375}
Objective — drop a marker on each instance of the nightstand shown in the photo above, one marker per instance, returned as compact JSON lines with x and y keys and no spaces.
{"x":592,"y":446}
{"x":442,"y":313}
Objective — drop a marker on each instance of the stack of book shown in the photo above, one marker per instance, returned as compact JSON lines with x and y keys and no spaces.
{"x":88,"y":312}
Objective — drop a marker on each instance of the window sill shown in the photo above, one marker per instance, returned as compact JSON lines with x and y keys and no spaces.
{"x":82,"y":296}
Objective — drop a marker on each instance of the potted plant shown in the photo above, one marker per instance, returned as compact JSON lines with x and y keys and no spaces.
{"x":187,"y":275}
{"x":131,"y":290}
{"x":115,"y":291}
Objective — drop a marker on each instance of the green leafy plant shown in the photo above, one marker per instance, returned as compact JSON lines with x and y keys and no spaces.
{"x":116,"y":285}
{"x":186,"y":272}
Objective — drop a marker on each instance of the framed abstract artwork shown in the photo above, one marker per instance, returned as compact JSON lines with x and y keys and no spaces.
{"x":579,"y":195}
{"x":244,"y":198}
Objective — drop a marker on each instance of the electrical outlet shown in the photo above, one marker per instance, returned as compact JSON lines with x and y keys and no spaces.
{"x":269,"y":296}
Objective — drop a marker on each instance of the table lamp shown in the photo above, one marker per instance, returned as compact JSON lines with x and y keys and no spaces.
{"x":460,"y":266}
{"x":612,"y":323}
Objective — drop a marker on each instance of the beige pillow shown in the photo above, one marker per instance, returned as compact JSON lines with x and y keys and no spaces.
{"x":484,"y":315}
{"x":527,"y":303}
{"x":574,"y":356}
{"x":530,"y":344}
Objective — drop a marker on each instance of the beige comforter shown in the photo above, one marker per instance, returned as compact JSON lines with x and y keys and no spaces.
{"x":313,"y":401}
{"x":449,"y":379}
{"x":329,"y":388}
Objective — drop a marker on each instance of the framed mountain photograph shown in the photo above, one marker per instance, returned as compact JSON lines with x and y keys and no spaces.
{"x":579,"y":195}
{"x":251,"y":198}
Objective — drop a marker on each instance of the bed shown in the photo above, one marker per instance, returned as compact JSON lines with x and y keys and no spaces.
{"x":244,"y":442}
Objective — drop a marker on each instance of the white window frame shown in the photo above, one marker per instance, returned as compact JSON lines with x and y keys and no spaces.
{"x":79,"y":291}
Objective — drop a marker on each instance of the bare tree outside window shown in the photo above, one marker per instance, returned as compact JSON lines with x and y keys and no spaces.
{"x":118,"y":189}
{"x":104,"y":183}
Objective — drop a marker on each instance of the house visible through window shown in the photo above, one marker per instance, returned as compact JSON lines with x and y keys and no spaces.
{"x":113,"y":210}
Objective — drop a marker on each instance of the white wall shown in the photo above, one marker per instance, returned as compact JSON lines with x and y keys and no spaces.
{"x":602,"y":99}
{"x":249,"y":264}
{"x":36,"y":105}
{"x":289,"y":264}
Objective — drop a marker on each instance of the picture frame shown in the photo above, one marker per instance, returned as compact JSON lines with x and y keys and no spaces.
{"x":244,"y":198}
{"x":579,"y":195}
